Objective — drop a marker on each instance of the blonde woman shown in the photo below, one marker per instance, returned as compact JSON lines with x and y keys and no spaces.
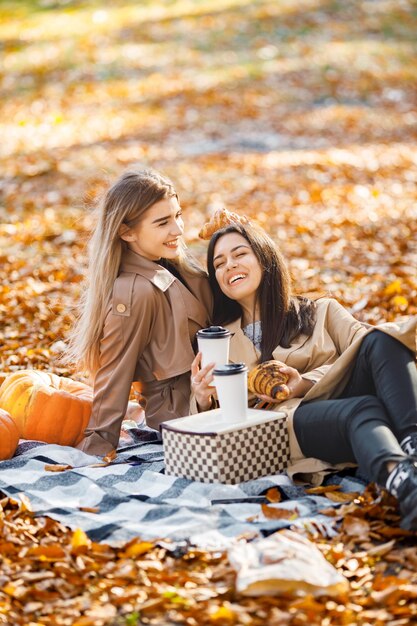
{"x":143,"y":304}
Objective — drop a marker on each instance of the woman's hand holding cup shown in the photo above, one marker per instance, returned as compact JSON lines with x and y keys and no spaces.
{"x":201,"y":380}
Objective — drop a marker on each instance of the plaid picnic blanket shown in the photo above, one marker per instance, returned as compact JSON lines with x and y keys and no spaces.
{"x":132,"y":497}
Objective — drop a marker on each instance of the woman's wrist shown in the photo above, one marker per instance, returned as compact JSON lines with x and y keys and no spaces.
{"x":207,"y":405}
{"x":303,"y":386}
{"x":201,"y":408}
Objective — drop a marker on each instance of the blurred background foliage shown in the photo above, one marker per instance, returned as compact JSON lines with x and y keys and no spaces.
{"x":301,"y":114}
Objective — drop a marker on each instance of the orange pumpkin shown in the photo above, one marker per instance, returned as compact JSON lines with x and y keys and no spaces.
{"x":9,"y":436}
{"x":46,"y":407}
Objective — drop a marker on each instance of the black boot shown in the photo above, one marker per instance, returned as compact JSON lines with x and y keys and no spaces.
{"x":409,"y":444}
{"x":402,"y":483}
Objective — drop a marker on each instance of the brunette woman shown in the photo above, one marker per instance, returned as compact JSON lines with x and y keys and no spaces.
{"x":353,"y":387}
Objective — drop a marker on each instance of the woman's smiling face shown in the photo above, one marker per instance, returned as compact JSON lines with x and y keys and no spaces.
{"x":237,"y":268}
{"x":159,"y":232}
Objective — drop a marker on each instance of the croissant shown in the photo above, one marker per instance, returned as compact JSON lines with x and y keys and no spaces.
{"x":220,"y":219}
{"x":266,"y":379}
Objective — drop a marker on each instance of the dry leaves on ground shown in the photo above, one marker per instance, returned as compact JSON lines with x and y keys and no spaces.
{"x":53,"y":576}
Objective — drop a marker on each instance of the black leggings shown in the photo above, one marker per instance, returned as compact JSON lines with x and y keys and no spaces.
{"x":375,"y":411}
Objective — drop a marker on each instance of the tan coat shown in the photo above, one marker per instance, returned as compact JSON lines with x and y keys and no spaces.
{"x":147,"y":337}
{"x":326,"y":357}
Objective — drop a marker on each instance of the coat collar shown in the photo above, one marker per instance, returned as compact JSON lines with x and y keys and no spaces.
{"x":242,"y":349}
{"x":163,"y":280}
{"x":155,"y":273}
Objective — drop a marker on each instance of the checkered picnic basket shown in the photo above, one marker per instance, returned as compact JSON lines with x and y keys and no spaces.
{"x":232,"y":457}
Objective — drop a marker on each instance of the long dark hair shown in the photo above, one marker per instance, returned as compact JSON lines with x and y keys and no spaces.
{"x":283,"y":315}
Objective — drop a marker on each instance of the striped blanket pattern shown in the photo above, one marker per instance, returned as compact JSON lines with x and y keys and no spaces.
{"x":132,"y":496}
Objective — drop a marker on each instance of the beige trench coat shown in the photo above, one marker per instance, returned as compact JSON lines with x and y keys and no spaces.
{"x":148,"y":332}
{"x":326,"y":358}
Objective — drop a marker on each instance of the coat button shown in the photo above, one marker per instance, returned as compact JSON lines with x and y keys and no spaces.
{"x":121,"y":308}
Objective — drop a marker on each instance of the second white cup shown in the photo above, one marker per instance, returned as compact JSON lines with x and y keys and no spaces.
{"x":231,"y":382}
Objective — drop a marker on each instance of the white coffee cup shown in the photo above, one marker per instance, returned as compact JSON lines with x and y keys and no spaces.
{"x":213,"y":343}
{"x":231,"y":382}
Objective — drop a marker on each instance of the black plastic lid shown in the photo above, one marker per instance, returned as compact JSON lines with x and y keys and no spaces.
{"x":229,"y":369}
{"x":213,"y":332}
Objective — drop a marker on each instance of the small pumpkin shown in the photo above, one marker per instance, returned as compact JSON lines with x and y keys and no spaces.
{"x":9,"y":436}
{"x":47,"y":407}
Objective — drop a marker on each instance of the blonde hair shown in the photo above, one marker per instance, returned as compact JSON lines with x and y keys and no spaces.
{"x":124,"y":203}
